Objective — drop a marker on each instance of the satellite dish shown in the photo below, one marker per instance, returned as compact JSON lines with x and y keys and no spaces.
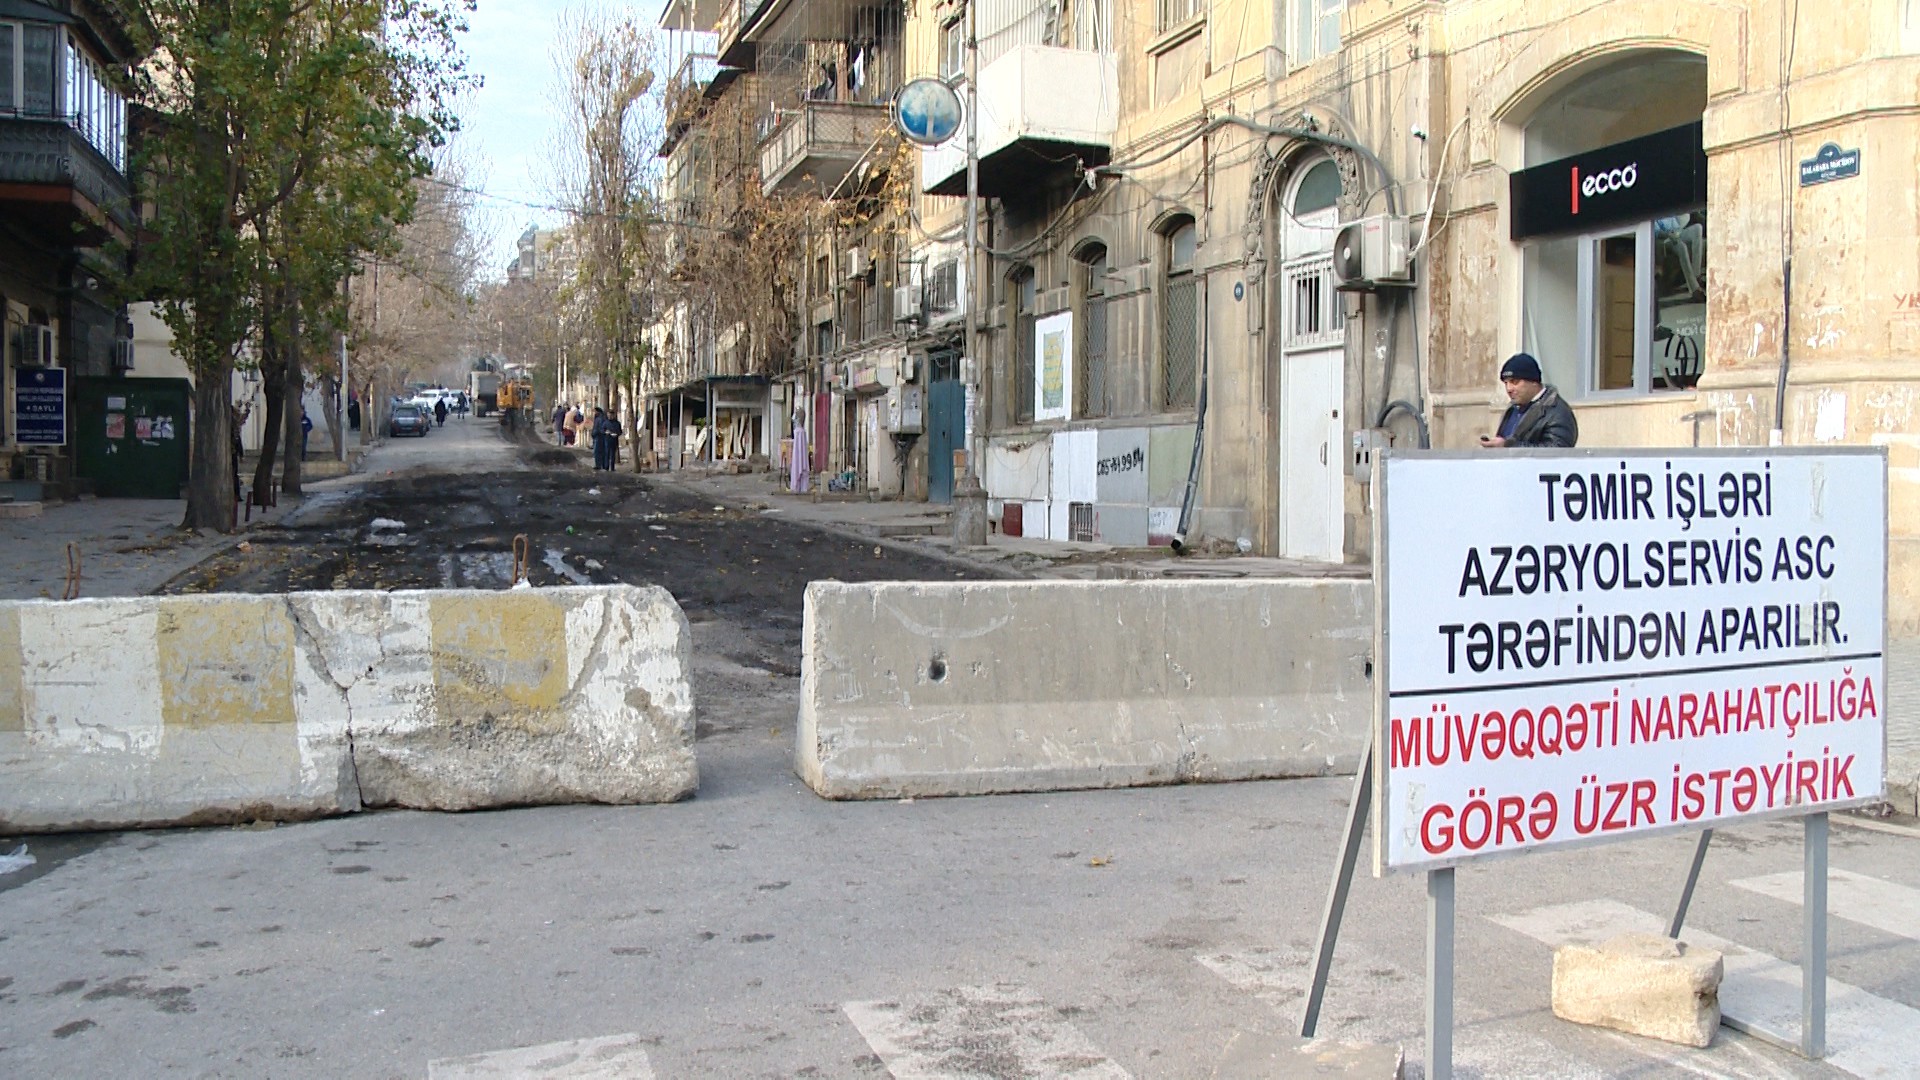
{"x":926,"y":112}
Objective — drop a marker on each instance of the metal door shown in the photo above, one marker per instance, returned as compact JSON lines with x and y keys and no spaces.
{"x":821,"y":433}
{"x":132,"y":436}
{"x":946,"y":432}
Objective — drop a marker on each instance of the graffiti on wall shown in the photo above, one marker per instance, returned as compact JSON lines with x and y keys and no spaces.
{"x":1135,"y":459}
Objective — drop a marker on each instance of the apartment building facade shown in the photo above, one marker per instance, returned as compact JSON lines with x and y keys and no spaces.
{"x":1170,"y":346}
{"x":65,"y":198}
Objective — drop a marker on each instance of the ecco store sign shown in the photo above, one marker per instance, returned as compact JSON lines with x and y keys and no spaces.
{"x":1657,"y":174}
{"x":1601,"y":183}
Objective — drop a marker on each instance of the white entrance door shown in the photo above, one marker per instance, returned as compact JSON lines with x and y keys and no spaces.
{"x":1312,"y":382}
{"x":1312,"y":519}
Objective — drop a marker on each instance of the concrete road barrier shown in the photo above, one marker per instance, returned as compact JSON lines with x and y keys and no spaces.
{"x":919,"y":689}
{"x":201,"y":710}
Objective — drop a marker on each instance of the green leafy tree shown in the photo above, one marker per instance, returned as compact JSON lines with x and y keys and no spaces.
{"x":291,"y":133}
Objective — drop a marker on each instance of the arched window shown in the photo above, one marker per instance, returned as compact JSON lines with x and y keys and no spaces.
{"x":1090,"y":269}
{"x":1311,"y":312}
{"x":1179,"y":316}
{"x":1025,"y":301}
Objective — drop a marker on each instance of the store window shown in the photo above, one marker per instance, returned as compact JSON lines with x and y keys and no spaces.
{"x":1611,"y":216}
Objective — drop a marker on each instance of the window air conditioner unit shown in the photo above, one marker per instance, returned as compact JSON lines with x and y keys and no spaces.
{"x":906,"y":303}
{"x":1371,"y":252}
{"x":856,"y":263}
{"x":123,"y":354}
{"x":35,"y":348}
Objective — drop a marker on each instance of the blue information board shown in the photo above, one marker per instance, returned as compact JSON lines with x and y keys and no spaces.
{"x":40,"y":406}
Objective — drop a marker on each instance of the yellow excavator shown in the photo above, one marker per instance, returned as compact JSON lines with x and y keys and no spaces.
{"x":516,"y":402}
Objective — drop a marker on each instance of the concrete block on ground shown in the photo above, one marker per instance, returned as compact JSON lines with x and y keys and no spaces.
{"x":149,"y":711}
{"x":464,"y":699}
{"x":930,"y":688}
{"x":1267,"y":1056}
{"x":1643,"y":984}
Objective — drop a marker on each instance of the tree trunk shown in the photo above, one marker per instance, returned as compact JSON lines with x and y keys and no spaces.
{"x":296,"y":385}
{"x":272,"y":369}
{"x":336,"y":426}
{"x":210,"y":499}
{"x":276,"y":410}
{"x":633,"y":421}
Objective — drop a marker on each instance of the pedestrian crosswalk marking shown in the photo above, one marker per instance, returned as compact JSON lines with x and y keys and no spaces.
{"x":1280,"y":978}
{"x":1858,"y":898}
{"x":1867,"y":1035}
{"x":1000,"y":1030}
{"x":609,"y":1057}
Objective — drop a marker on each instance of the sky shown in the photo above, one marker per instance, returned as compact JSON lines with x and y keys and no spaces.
{"x":507,"y":125}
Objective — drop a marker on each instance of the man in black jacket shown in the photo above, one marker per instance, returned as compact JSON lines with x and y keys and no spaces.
{"x":1539,"y":416}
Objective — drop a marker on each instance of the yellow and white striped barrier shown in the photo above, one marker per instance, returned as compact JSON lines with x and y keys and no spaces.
{"x":200,"y":710}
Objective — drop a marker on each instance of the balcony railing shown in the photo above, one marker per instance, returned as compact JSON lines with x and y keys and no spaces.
{"x":735,"y":20}
{"x":1041,"y":109}
{"x":817,"y":145}
{"x":50,"y":153}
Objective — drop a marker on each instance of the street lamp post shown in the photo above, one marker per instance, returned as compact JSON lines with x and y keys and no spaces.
{"x":969,"y":498}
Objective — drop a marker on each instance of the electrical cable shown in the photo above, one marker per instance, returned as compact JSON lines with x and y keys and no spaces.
{"x":1433,"y":196}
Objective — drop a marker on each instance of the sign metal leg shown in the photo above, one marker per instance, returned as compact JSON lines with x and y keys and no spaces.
{"x":1337,"y":895}
{"x":1440,"y":974}
{"x":1693,"y":878}
{"x":1813,"y":956}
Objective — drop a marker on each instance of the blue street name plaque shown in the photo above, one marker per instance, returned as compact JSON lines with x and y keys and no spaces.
{"x":40,"y":406}
{"x":1831,"y":163}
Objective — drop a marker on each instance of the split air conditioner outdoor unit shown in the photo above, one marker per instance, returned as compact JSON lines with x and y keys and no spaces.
{"x":906,"y":303}
{"x":1372,"y":252}
{"x":856,"y":263}
{"x":35,"y":346}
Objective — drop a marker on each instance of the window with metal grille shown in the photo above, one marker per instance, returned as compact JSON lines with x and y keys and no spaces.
{"x":1315,"y":317}
{"x":1025,"y":297}
{"x":869,"y":311}
{"x":1080,"y":522}
{"x":1091,"y":379}
{"x":944,"y":294}
{"x":1178,"y":12}
{"x":1180,"y":321}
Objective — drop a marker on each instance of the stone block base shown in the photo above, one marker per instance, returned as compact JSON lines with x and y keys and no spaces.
{"x":1642,"y":984}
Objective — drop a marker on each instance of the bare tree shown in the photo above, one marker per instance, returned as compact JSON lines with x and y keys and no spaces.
{"x":413,"y":312}
{"x":605,"y":177}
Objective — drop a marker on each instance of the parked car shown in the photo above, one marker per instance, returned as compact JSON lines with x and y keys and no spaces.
{"x":409,"y":419}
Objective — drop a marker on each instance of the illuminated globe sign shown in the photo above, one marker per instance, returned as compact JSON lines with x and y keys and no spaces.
{"x":926,"y":112}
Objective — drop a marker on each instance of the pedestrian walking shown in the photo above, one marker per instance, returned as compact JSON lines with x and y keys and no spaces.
{"x":560,"y":424}
{"x":606,"y":440}
{"x":353,"y":413}
{"x":440,"y":412}
{"x":797,"y":474}
{"x":1538,"y":415}
{"x":306,"y":429}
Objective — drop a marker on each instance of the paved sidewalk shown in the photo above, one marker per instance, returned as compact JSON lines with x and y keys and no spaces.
{"x":126,"y":547}
{"x":928,"y":526}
